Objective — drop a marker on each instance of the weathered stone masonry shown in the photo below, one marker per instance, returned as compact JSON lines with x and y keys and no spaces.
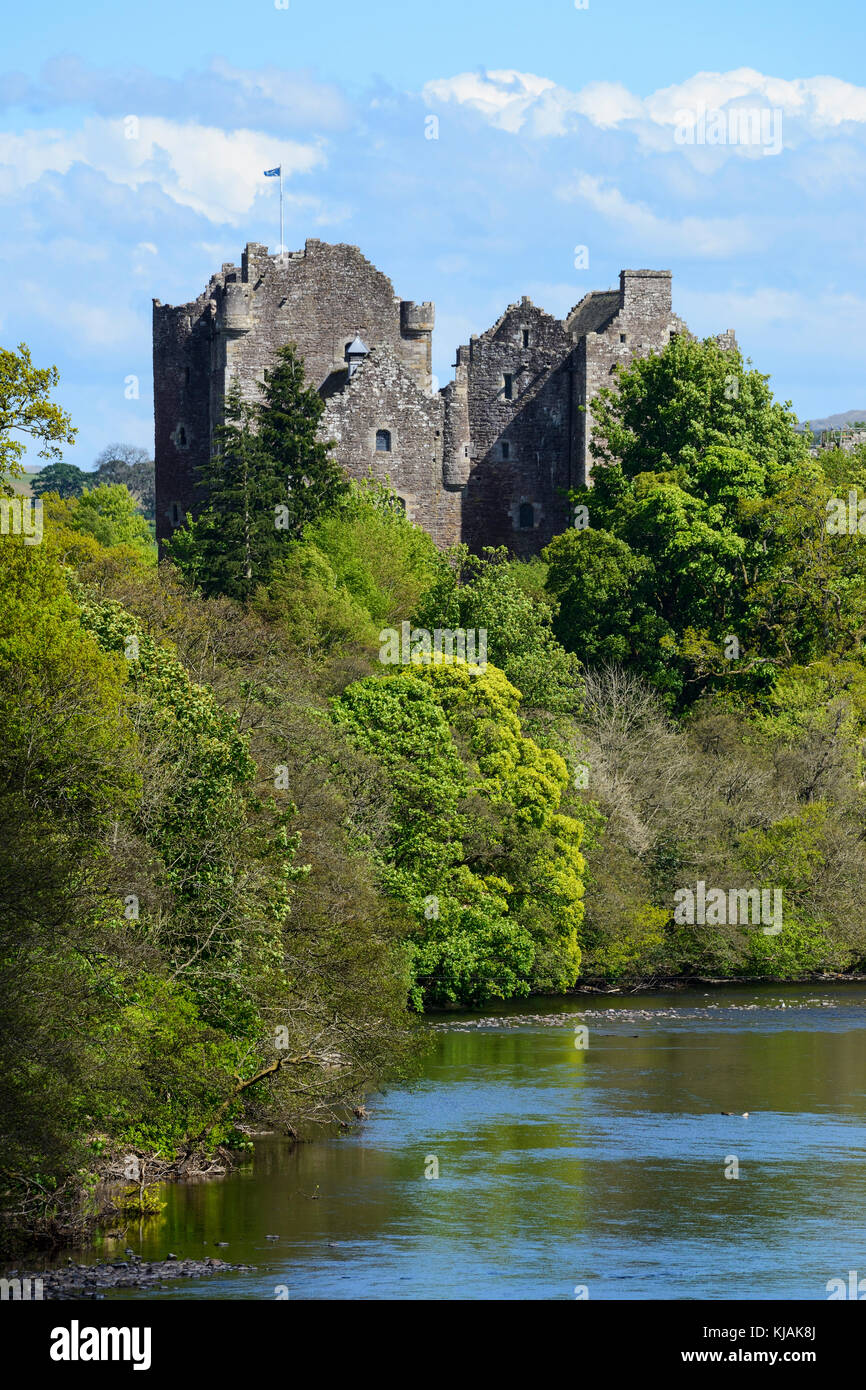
{"x":487,"y":460}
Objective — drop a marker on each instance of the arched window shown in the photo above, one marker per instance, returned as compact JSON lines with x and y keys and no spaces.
{"x":527,"y":516}
{"x":383,"y":441}
{"x":400,"y":502}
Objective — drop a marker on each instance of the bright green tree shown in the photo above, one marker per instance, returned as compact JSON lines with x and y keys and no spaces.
{"x":109,"y":513}
{"x":26,"y":409}
{"x":477,"y":844}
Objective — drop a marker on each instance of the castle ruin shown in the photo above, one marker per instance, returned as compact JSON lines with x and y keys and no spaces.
{"x":488,"y":460}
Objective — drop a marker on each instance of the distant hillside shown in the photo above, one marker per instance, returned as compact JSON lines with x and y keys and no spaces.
{"x":836,"y":422}
{"x":21,"y":486}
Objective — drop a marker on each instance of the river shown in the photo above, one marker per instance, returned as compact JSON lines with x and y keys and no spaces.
{"x":564,"y":1170}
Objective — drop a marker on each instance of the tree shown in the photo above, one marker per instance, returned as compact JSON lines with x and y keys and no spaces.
{"x":268,"y":478}
{"x":477,"y":845}
{"x":670,"y":407}
{"x":63,"y":478}
{"x":288,"y":420}
{"x":484,"y":592}
{"x":232,"y":546}
{"x":606,"y":607}
{"x":694,"y":461}
{"x":109,"y":513}
{"x":133,"y":466}
{"x":26,"y":408}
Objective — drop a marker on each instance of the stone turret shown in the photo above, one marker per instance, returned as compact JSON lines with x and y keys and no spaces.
{"x":235,"y":314}
{"x":416,"y":329}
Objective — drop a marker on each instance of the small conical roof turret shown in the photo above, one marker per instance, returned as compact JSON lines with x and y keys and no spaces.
{"x":356,"y":351}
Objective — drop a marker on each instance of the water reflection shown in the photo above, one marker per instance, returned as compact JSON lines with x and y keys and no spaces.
{"x":560,"y":1166}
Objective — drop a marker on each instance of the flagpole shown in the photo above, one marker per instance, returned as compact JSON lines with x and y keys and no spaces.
{"x":282,"y":248}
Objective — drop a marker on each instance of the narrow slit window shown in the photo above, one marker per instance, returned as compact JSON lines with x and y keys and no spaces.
{"x":526,"y":337}
{"x":508,"y":388}
{"x":506,"y":448}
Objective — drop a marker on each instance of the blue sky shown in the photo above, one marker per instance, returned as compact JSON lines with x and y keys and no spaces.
{"x":556,"y":127}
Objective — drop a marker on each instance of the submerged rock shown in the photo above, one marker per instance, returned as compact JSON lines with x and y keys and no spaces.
{"x":86,"y":1281}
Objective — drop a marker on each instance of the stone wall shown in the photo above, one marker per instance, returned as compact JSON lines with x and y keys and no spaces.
{"x":318,"y":298}
{"x":383,"y":425}
{"x":636,"y":321}
{"x":519,"y":402}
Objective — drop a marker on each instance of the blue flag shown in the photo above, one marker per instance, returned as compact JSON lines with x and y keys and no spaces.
{"x":272,"y":173}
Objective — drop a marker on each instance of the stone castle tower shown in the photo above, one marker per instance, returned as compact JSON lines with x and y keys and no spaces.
{"x":488,"y":460}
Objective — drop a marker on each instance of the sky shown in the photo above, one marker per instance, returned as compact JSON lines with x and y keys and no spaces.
{"x":475,"y":151}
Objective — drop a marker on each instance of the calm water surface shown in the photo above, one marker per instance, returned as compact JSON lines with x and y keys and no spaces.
{"x":561,"y":1166}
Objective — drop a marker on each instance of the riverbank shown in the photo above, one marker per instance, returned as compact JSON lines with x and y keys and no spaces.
{"x":121,"y":1202}
{"x":91,"y":1281}
{"x":557,"y":1165}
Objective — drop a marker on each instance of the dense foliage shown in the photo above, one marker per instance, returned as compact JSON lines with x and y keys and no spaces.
{"x":244,"y":845}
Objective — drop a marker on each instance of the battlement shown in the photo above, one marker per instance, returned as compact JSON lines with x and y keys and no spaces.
{"x":416,"y":318}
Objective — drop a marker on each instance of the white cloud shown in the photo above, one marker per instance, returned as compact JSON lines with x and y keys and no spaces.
{"x":503,"y":96}
{"x":513,"y":100}
{"x":819,"y":102}
{"x":695,"y":236}
{"x":217,"y":173}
